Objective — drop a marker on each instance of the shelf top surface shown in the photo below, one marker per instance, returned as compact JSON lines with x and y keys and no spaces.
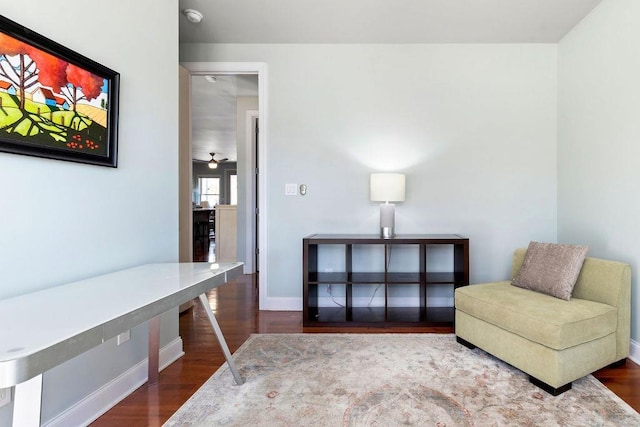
{"x":376,"y":237}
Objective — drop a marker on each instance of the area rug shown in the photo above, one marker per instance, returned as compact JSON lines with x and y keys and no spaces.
{"x":387,"y":380}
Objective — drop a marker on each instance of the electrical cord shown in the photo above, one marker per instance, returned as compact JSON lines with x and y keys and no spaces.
{"x":332,"y":297}
{"x":380,"y":284}
{"x":374,"y":294}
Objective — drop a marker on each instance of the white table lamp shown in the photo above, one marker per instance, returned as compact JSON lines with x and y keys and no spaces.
{"x":387,"y":187}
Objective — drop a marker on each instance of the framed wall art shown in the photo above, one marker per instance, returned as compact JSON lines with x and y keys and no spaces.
{"x":55,"y":102}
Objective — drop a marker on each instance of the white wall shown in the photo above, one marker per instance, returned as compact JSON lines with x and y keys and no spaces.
{"x":599,"y":134}
{"x":473,"y":126}
{"x":65,"y":221}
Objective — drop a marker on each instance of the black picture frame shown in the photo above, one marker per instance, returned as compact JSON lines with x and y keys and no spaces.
{"x":54,"y":102}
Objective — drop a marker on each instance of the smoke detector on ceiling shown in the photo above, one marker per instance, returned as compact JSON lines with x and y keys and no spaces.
{"x":193,"y":15}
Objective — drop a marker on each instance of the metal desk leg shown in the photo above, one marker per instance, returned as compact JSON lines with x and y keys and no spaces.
{"x":220,"y":337}
{"x":28,"y":400}
{"x":154,"y":351}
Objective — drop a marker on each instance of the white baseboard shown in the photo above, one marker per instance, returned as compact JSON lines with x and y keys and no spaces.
{"x":634,"y":352}
{"x":106,"y":397}
{"x":282,"y":304}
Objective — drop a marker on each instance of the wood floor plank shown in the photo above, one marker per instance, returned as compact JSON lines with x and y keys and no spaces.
{"x":236,"y":308}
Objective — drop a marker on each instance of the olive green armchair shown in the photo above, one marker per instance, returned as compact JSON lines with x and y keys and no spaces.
{"x":553,"y":340}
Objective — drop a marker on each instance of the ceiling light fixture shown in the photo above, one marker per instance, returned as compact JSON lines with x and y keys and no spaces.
{"x":211,"y":79}
{"x":212,"y":163}
{"x":193,"y":15}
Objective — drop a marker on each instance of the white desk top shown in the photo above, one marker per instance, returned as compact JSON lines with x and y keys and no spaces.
{"x":46,"y":328}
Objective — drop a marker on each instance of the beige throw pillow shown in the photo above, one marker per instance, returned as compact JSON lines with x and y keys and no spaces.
{"x":551,"y":268}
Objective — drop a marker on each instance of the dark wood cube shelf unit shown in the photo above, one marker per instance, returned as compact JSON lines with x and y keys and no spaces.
{"x":348,"y":314}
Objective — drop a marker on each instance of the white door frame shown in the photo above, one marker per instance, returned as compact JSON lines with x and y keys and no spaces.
{"x":250,"y":211}
{"x":259,"y":68}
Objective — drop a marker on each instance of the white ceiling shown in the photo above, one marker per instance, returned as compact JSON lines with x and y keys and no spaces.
{"x":383,"y":21}
{"x":213,"y":114}
{"x":352,"y":21}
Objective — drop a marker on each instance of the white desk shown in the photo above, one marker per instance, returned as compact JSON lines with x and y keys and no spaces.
{"x":56,"y":324}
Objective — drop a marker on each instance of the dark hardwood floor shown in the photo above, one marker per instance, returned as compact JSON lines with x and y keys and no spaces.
{"x":235,"y":306}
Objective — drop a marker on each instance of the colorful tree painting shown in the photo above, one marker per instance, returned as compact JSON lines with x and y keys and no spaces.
{"x":78,"y":78}
{"x":24,"y":75}
{"x":53,"y":101}
{"x":51,"y":69}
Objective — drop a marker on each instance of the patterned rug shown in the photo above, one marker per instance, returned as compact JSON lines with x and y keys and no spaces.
{"x":387,"y":380}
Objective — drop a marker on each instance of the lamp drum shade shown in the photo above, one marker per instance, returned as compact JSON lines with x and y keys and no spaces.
{"x":387,"y":187}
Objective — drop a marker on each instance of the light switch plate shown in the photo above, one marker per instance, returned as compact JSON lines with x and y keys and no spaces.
{"x":291,"y":189}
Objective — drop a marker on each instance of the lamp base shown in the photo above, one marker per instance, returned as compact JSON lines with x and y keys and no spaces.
{"x":387,"y":232}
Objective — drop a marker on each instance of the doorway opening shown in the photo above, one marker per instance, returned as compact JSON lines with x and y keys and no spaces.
{"x":250,"y":178}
